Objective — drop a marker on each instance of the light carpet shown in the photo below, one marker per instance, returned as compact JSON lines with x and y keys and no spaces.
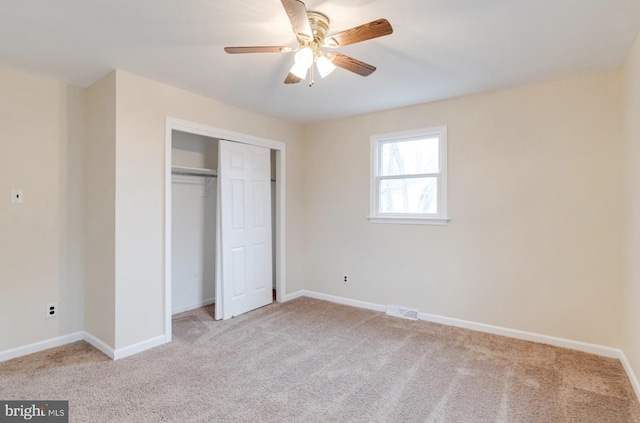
{"x":313,"y":361}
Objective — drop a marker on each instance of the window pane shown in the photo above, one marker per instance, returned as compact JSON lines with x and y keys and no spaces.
{"x":409,"y":157}
{"x":409,"y":195}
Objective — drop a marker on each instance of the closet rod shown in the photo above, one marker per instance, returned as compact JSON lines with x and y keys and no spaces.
{"x":200,"y":174}
{"x":193,"y":174}
{"x":183,"y":171}
{"x":193,"y":171}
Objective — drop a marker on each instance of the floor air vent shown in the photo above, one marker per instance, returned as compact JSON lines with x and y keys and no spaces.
{"x":405,"y":313}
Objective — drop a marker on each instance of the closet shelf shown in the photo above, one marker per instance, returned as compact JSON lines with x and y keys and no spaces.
{"x":182,"y":170}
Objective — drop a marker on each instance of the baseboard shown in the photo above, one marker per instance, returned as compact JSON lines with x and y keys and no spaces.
{"x":138,"y":347}
{"x":86,"y":336}
{"x":595,"y":349}
{"x":193,"y":306}
{"x":99,"y":344}
{"x":342,"y":300}
{"x":630,"y":373}
{"x":293,"y":296}
{"x":116,"y":354}
{"x":40,"y":346}
{"x":56,"y":342}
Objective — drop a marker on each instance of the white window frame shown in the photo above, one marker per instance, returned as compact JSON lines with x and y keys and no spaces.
{"x":438,"y":218}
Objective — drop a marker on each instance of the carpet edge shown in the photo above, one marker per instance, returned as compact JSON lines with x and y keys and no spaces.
{"x":41,"y":346}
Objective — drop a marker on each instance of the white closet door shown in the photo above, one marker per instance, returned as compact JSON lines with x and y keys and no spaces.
{"x":245,"y":227}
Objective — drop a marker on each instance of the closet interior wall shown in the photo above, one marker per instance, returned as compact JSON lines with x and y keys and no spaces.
{"x":193,"y":222}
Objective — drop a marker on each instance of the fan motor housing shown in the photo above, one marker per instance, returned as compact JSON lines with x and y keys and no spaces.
{"x":319,"y":23}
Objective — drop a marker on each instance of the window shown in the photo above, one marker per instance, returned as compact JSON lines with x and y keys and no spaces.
{"x":409,"y":177}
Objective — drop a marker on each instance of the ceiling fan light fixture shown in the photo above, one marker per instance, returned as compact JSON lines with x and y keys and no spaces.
{"x":304,"y":57}
{"x":310,"y":28}
{"x":299,"y":69}
{"x":324,"y":65}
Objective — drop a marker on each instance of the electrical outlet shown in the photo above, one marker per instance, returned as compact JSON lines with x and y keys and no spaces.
{"x":17,"y":196}
{"x":52,"y":310}
{"x":345,"y":278}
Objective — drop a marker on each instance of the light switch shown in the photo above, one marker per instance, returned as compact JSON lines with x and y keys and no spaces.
{"x":17,"y":196}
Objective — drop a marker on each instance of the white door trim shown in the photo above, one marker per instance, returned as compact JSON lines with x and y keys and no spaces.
{"x":217,"y":133}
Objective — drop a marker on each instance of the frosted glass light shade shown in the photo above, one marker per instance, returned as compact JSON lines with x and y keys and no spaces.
{"x":305,"y":56}
{"x":325,"y":67}
{"x":299,"y":70}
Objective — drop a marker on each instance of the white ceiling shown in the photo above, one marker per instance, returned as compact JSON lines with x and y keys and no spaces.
{"x":439,"y":48}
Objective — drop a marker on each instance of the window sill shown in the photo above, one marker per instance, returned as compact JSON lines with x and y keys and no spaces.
{"x":398,"y":220}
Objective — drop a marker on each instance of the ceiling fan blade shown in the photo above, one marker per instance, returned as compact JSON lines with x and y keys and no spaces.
{"x":297,"y":13}
{"x":257,"y":49}
{"x":292,"y":79}
{"x":360,"y":33}
{"x":351,"y":64}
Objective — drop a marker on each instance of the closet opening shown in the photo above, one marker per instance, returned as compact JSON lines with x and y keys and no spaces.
{"x":192,"y":216}
{"x":193,"y":221}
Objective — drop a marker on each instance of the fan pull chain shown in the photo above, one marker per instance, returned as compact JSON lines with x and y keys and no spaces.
{"x":311,"y":81}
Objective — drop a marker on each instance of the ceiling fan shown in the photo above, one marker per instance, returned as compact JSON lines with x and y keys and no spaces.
{"x":310,"y":29}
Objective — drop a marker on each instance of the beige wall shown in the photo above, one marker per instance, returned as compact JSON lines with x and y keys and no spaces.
{"x":41,"y":128}
{"x":100,"y":185}
{"x":631,"y":337}
{"x":534,"y":241}
{"x":141,"y":112}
